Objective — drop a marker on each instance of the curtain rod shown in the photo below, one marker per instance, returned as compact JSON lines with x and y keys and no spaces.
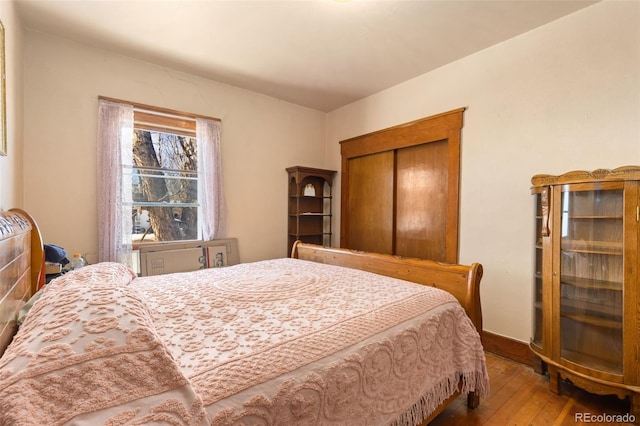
{"x":165,"y":111}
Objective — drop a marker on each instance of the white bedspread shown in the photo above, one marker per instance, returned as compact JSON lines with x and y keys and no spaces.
{"x":279,"y":342}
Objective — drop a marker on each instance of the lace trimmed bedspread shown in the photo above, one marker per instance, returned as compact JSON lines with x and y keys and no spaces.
{"x":87,"y":354}
{"x":279,"y":342}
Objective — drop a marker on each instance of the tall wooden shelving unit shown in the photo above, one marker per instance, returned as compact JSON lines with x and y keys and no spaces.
{"x":586,"y":315}
{"x":310,"y":205}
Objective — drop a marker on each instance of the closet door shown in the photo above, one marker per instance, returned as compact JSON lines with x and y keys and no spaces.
{"x":421,"y":201}
{"x":400,"y":189}
{"x":370,"y":202}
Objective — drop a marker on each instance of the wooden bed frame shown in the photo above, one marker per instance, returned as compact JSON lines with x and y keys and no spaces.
{"x":22,"y":274}
{"x":463,"y":282}
{"x":21,"y":268}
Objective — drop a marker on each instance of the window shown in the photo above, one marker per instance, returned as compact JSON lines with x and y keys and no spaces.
{"x":153,"y":167}
{"x":164,"y":180}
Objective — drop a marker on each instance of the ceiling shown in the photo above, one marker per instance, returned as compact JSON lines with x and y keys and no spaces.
{"x":321,"y":54}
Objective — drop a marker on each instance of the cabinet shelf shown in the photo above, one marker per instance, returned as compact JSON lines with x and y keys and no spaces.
{"x":597,"y":217}
{"x":591,"y":320}
{"x":594,"y":247}
{"x":591,"y":283}
{"x":593,"y":312}
{"x":311,"y":197}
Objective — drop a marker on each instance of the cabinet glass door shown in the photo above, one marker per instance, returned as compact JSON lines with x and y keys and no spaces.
{"x":591,"y":275}
{"x":541,"y":226}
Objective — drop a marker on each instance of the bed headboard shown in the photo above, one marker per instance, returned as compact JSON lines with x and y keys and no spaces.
{"x":21,"y":268}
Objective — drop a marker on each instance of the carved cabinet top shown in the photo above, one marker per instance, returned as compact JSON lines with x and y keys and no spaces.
{"x":578,"y":176}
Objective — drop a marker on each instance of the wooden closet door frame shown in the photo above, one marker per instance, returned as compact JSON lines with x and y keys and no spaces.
{"x":444,"y":126}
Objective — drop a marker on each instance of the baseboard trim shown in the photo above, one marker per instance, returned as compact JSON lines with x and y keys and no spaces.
{"x":507,"y":348}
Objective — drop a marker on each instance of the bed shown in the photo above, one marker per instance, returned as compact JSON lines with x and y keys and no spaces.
{"x":328,"y":336}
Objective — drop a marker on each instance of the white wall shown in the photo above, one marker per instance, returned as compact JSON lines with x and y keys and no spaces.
{"x":11,"y":165}
{"x":565,"y":96}
{"x":261,"y":136}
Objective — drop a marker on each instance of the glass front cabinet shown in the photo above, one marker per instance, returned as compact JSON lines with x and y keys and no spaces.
{"x":585,"y":286}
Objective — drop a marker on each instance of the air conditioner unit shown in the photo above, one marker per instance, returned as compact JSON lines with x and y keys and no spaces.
{"x":165,"y":258}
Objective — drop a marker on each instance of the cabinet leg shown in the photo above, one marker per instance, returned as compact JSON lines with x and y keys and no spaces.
{"x":554,"y":385}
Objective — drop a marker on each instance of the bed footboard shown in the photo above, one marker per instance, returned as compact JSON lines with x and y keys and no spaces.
{"x":462,"y":281}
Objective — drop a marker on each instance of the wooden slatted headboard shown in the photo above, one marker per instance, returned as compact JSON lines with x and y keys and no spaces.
{"x":21,"y":268}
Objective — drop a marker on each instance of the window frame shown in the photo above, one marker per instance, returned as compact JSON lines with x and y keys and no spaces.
{"x":162,"y":120}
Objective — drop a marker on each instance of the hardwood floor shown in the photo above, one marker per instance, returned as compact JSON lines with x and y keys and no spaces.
{"x":520,"y":396}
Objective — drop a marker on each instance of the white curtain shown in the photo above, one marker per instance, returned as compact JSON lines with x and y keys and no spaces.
{"x":210,"y":193}
{"x":115,"y":136}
